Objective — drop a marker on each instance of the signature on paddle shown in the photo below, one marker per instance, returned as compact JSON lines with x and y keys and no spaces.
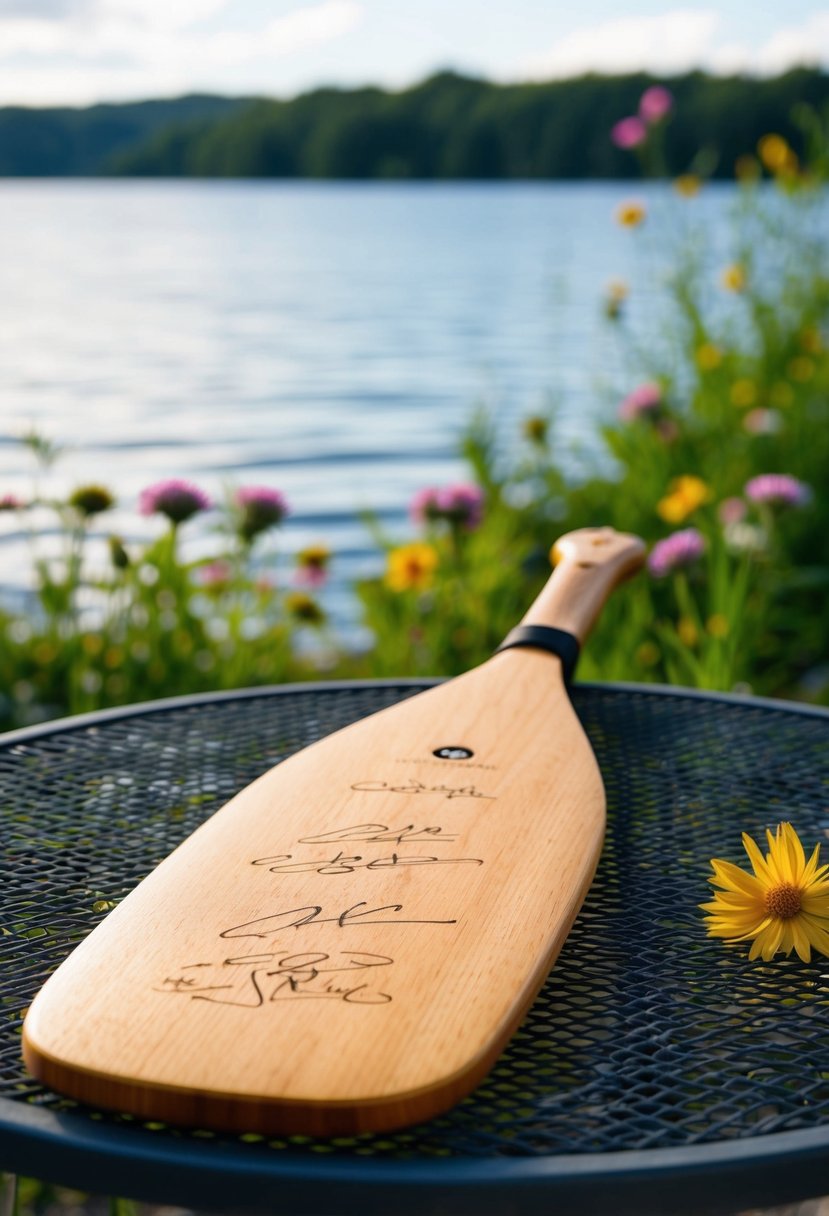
{"x":379,"y":833}
{"x":353,"y":917}
{"x":418,"y":787}
{"x":343,"y":864}
{"x":261,"y":979}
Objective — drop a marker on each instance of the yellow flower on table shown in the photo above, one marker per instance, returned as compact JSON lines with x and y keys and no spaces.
{"x":411,"y":566}
{"x":684,"y":495}
{"x":782,"y":906}
{"x":687,"y":185}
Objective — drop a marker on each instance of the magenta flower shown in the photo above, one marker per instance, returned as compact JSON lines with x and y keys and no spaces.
{"x":461,"y":505}
{"x":655,"y":103}
{"x":763,"y":422}
{"x":260,"y":508}
{"x":675,"y":552}
{"x":215,"y":575}
{"x":778,"y":490}
{"x":731,"y":511}
{"x":641,"y":402}
{"x":629,"y":133}
{"x":178,"y":500}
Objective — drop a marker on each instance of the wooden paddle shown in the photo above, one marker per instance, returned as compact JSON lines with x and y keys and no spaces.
{"x":349,"y":943}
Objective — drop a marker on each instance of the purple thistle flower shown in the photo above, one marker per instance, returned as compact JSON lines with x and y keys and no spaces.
{"x":260,"y":508}
{"x":655,"y":103}
{"x":178,"y":500}
{"x":675,"y":552}
{"x":461,"y":505}
{"x":644,"y":400}
{"x":778,"y":490}
{"x":629,"y":132}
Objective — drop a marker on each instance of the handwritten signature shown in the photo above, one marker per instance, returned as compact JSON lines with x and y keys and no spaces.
{"x":353,"y":917}
{"x":418,"y":787}
{"x":343,"y":864}
{"x":379,"y":833}
{"x":263,"y":978}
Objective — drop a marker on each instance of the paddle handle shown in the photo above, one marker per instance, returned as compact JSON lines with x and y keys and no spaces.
{"x":589,"y":563}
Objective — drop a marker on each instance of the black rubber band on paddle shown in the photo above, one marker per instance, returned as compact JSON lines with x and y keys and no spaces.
{"x":543,"y":637}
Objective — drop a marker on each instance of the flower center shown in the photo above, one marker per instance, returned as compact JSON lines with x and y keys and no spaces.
{"x":783,"y":901}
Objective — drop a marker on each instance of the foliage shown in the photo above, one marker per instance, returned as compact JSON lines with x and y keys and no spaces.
{"x":734,"y":389}
{"x":146,"y":623}
{"x":448,"y":126}
{"x":451,"y":126}
{"x":65,"y":142}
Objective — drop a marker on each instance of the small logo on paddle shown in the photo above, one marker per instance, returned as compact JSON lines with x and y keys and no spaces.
{"x":452,"y":753}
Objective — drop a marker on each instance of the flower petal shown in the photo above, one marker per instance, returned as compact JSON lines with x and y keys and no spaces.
{"x":758,"y":862}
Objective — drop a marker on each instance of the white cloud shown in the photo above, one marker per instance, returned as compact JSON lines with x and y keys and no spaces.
{"x":133,"y":48}
{"x":678,"y":41}
{"x":805,"y":44}
{"x":669,"y":42}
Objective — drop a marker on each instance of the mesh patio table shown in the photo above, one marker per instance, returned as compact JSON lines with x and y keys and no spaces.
{"x":657,"y":1072}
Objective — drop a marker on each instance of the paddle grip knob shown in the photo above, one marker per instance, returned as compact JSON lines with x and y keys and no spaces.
{"x":589,"y":563}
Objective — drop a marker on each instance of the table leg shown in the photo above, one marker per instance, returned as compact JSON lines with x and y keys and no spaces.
{"x":8,"y":1195}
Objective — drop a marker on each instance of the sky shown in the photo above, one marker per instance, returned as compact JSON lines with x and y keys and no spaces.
{"x":75,"y":52}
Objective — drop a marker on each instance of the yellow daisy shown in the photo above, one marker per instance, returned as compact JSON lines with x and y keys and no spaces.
{"x":411,"y":566}
{"x":782,"y":906}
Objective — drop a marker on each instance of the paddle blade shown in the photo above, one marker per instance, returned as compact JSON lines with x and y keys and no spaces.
{"x":350,"y":942}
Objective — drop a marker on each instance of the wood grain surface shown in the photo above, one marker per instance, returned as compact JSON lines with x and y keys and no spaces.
{"x":349,"y":943}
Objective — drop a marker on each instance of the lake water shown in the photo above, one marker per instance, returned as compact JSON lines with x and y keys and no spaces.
{"x":327,"y":339}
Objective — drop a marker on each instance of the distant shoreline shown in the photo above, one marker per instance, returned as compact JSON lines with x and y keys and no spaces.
{"x":447,"y":128}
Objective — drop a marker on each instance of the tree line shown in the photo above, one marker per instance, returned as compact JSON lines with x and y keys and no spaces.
{"x":448,"y":126}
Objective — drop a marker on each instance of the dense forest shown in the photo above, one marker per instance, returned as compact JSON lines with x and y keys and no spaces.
{"x":449,"y":126}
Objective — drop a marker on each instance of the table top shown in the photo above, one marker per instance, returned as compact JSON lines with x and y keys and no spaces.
{"x":658,"y":1070}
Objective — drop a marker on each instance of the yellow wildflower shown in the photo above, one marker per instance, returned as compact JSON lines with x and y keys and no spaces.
{"x":687,"y":631}
{"x":717,"y":625}
{"x":781,"y":394}
{"x":733,"y":278}
{"x":410,"y":566}
{"x":631,"y":214}
{"x":687,"y":185}
{"x":709,"y":357}
{"x":648,"y":654}
{"x":743,"y":393}
{"x":684,"y":495}
{"x":746,"y":169}
{"x":801,"y":369}
{"x":782,"y":906}
{"x":303,"y":607}
{"x":777,"y":155}
{"x":810,"y":340}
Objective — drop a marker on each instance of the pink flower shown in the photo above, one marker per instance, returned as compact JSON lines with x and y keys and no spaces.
{"x":312,"y":566}
{"x":10,"y":502}
{"x":642,"y":401}
{"x":260,"y":508}
{"x":178,"y":500}
{"x":655,"y":103}
{"x":762,"y":422}
{"x":215,"y":575}
{"x":675,"y":552}
{"x":731,"y":511}
{"x":461,"y":504}
{"x":629,"y":133}
{"x":778,"y":490}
